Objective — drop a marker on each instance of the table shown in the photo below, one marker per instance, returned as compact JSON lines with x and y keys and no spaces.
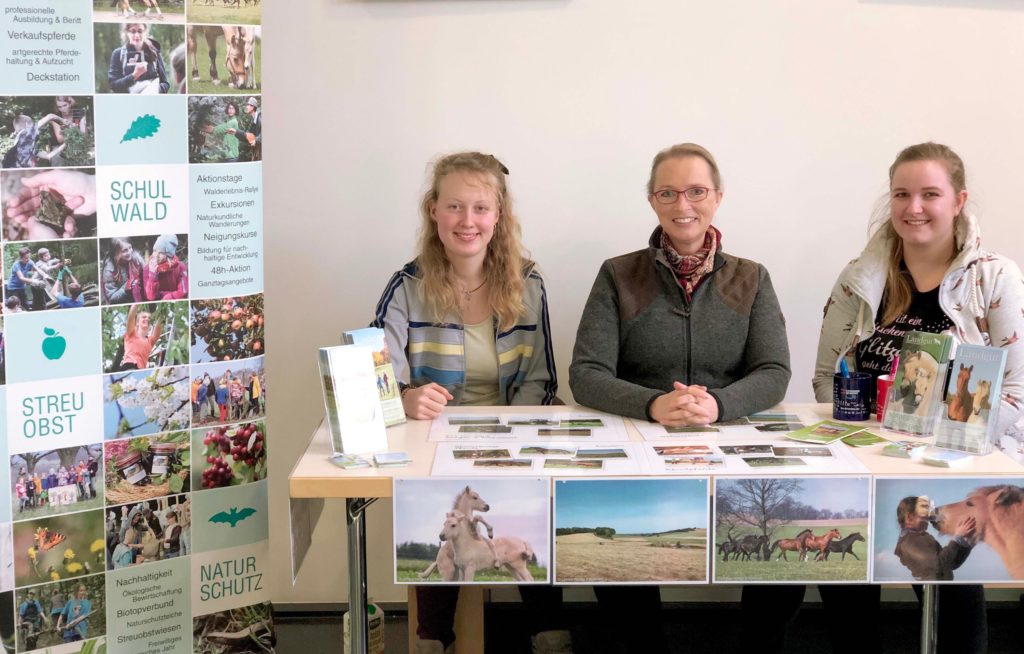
{"x":315,"y":477}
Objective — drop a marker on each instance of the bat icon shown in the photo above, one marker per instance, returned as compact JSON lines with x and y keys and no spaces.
{"x":234,"y":516}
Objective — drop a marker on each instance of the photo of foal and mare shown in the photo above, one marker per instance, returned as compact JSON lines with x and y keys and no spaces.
{"x":472,"y":530}
{"x":792,"y":529}
{"x":631,"y":530}
{"x":949,"y":529}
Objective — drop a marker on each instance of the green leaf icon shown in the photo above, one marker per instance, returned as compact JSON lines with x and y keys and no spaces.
{"x":49,"y":331}
{"x":142,"y":127}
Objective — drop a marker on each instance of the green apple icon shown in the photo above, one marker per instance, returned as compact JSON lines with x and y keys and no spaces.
{"x":54,"y":344}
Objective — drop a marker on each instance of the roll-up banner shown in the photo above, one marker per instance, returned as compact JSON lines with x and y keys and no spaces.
{"x":132,"y":389}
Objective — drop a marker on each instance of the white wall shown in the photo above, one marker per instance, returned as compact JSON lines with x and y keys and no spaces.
{"x":803,"y":102}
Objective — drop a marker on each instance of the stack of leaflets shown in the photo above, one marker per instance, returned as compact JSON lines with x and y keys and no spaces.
{"x":387,"y":385}
{"x":349,"y":461}
{"x":391,"y":459}
{"x":824,"y":432}
{"x":968,"y":419}
{"x":351,"y":399}
{"x":946,"y":458}
{"x":915,"y":398}
{"x":905,"y":449}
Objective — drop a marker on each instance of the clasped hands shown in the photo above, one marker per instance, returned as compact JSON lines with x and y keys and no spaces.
{"x":685,"y":405}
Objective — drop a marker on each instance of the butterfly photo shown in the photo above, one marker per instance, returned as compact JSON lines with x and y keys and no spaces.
{"x":59,"y":547}
{"x":46,"y":539}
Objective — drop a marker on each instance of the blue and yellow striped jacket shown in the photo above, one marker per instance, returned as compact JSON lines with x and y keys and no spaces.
{"x":424,"y":351}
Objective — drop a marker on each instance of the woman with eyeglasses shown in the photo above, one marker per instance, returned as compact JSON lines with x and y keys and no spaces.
{"x":137,"y":66}
{"x":467,"y":324}
{"x":679,"y":333}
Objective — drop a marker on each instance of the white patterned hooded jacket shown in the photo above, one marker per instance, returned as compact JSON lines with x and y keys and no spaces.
{"x":982,"y":293}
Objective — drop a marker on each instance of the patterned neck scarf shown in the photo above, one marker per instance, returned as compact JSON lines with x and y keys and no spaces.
{"x":690,"y":269}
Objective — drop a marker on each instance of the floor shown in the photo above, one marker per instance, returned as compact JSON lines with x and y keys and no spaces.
{"x":695,"y":629}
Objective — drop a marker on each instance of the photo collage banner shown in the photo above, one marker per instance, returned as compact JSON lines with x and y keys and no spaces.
{"x":132,"y":388}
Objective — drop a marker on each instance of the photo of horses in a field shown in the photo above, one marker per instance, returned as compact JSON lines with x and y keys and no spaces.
{"x":792,"y":529}
{"x":953,"y":529}
{"x":631,"y":531}
{"x":473,"y":530}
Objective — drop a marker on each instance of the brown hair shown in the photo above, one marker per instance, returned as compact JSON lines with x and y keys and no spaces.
{"x":503,"y":265}
{"x":907,"y":506}
{"x":684,"y":150}
{"x":898,"y":283}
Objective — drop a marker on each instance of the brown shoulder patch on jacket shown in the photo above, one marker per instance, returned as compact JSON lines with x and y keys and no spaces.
{"x":737,"y":283}
{"x":636,"y":282}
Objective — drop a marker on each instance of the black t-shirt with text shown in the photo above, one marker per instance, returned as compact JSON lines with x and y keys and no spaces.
{"x":875,"y":354}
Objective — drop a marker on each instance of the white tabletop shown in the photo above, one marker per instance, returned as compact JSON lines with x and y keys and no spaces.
{"x":315,"y":476}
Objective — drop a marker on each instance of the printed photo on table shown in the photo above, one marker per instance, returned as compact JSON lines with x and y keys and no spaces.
{"x":224,"y":129}
{"x":46,"y":131}
{"x":792,"y":529}
{"x":238,"y":390}
{"x":45,"y":275}
{"x":144,"y":268}
{"x":139,"y":57}
{"x":230,"y":455}
{"x":147,"y":531}
{"x":144,"y":468}
{"x":137,"y":403}
{"x":59,"y":547}
{"x":633,"y":531}
{"x":474,"y":530}
{"x":144,"y":335}
{"x":227,"y":328}
{"x":224,"y":59}
{"x":949,"y":529}
{"x":48,"y":204}
{"x":60,"y":616}
{"x":51,"y":482}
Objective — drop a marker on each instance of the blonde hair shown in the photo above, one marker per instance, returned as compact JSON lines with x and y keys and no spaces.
{"x":503,"y":265}
{"x":682,"y":150}
{"x":898,"y":284}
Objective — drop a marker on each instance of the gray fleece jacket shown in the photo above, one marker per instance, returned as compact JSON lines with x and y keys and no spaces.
{"x":638,"y":335}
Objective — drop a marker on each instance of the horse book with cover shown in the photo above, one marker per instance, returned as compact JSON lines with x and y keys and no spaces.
{"x":915,"y":398}
{"x":969,"y":417}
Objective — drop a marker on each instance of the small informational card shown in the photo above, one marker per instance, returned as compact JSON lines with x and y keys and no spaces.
{"x":773,"y":416}
{"x":631,"y":530}
{"x":792,"y":529}
{"x":350,"y":461}
{"x":687,"y":459}
{"x":864,"y":439}
{"x":532,"y":458}
{"x":461,"y":424}
{"x":787,"y":457}
{"x":391,"y":459}
{"x":824,"y":432}
{"x":773,"y":461}
{"x":789,"y":450}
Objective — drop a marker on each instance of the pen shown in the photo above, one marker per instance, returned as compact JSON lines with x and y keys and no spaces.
{"x":844,"y":370}
{"x":895,"y":365}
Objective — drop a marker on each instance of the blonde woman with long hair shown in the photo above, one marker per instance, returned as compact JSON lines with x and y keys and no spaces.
{"x":467,"y":324}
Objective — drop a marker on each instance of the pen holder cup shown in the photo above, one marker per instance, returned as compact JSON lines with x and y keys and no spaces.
{"x":882,"y":386}
{"x":851,"y":396}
